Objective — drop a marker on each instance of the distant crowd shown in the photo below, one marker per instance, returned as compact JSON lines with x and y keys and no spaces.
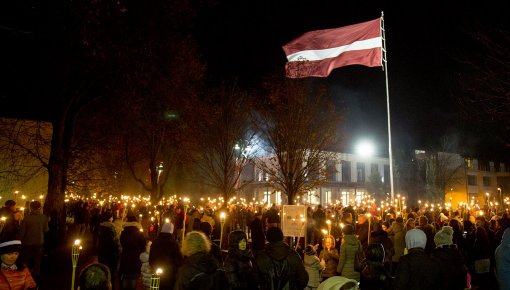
{"x":344,"y":248}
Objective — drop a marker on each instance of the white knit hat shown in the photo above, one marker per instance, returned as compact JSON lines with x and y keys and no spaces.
{"x":415,"y":238}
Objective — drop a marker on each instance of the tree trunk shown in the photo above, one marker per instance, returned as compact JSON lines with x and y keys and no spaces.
{"x":58,"y":164}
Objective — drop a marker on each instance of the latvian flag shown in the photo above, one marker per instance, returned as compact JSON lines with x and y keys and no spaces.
{"x":317,"y":53}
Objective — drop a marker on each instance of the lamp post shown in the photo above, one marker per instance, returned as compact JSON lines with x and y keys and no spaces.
{"x":222,"y":223}
{"x":155,"y":279}
{"x":75,"y":254}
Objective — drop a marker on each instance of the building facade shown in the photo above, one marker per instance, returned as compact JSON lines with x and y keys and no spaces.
{"x":348,"y":178}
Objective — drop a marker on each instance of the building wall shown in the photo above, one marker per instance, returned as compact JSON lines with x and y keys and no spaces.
{"x":329,"y":192}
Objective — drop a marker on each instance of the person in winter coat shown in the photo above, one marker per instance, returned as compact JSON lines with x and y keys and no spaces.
{"x":238,"y":264}
{"x":429,"y":231}
{"x":502,"y":255}
{"x":33,"y":228}
{"x":200,"y":269}
{"x":381,"y":237}
{"x":452,"y":268}
{"x":329,"y":256}
{"x":165,"y":254}
{"x":108,"y":251}
{"x":13,"y":274}
{"x":258,"y":239}
{"x":416,"y":270}
{"x":313,"y":267}
{"x":133,"y":244}
{"x":481,"y":256}
{"x":348,"y":249}
{"x":398,"y":237}
{"x":374,"y":276}
{"x":278,"y":266}
{"x":146,"y":269}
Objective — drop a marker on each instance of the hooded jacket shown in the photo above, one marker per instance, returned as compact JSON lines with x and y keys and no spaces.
{"x":277,"y":265}
{"x":348,"y":249}
{"x":108,"y":250}
{"x":313,"y":267}
{"x":502,"y":255}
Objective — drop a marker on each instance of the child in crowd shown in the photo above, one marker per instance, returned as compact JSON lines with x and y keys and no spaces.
{"x":13,"y":274}
{"x":313,"y":266}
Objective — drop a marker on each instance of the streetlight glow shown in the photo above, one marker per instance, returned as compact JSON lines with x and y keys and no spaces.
{"x":365,"y":149}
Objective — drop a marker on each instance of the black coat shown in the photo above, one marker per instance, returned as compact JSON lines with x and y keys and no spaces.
{"x":416,"y":271}
{"x":108,"y":246}
{"x":279,"y":264}
{"x":258,"y":238}
{"x":133,"y":244}
{"x":239,"y":269}
{"x":201,"y":271}
{"x":452,"y":268}
{"x":165,"y":254}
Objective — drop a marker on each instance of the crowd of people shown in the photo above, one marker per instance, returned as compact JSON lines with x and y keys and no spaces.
{"x":195,"y":249}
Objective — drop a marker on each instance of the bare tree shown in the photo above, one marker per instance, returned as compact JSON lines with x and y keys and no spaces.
{"x":484,"y":86}
{"x":443,"y":169}
{"x":24,"y":151}
{"x":300,"y":125}
{"x":228,"y":140}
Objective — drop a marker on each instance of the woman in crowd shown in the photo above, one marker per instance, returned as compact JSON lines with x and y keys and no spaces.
{"x":329,"y":257}
{"x":453,"y":269}
{"x":238,"y":264}
{"x":200,"y":269}
{"x":350,"y":245}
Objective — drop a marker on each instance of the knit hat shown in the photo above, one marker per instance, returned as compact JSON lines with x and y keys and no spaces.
{"x":337,"y":282}
{"x":167,"y":228}
{"x":10,"y":247}
{"x":310,"y":250}
{"x":415,"y":238}
{"x":444,"y":236}
{"x":274,"y":235}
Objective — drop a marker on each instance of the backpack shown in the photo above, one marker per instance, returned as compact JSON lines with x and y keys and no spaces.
{"x":280,"y":274}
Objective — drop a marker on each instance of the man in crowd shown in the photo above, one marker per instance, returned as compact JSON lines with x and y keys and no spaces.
{"x":279,"y":266}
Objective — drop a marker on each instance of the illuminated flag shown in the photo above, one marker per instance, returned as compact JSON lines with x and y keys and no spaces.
{"x":317,"y":53}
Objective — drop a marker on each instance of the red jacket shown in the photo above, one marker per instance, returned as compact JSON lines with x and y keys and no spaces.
{"x":16,"y":280}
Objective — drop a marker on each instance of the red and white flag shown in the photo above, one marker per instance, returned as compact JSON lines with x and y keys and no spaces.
{"x":317,"y":53}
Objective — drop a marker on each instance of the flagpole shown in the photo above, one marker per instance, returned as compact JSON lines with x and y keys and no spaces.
{"x":385,"y":68}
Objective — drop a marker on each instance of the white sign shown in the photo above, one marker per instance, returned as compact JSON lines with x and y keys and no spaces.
{"x":294,"y":220}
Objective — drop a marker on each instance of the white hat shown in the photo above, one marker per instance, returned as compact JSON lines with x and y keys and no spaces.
{"x":336,"y":282}
{"x":167,"y":228}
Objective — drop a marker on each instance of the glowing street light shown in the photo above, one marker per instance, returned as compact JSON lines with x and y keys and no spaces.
{"x":365,"y":149}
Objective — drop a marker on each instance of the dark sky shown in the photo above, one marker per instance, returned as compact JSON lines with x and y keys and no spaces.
{"x":243,"y":39}
{"x":425,"y":42}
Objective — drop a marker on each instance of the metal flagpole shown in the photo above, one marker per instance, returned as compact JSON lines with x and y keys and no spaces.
{"x":385,"y":68}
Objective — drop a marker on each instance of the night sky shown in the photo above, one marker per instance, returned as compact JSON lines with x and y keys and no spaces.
{"x":243,"y":39}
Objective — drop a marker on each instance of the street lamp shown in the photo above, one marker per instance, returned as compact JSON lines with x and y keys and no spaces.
{"x":365,"y":149}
